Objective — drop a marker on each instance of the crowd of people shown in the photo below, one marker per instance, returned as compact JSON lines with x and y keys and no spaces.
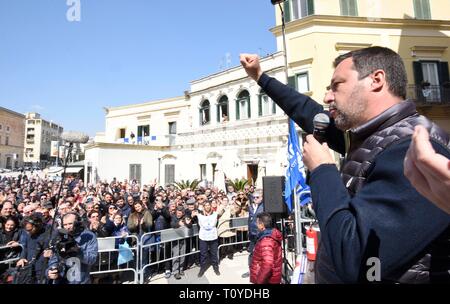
{"x":115,"y":208}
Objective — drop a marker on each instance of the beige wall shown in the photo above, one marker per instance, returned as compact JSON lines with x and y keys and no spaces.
{"x":16,"y":124}
{"x":374,"y":9}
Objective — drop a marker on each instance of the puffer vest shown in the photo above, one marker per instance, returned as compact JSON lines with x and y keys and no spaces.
{"x":366,"y":143}
{"x":369,"y":140}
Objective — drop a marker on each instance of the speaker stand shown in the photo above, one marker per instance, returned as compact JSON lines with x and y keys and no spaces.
{"x":286,"y":265}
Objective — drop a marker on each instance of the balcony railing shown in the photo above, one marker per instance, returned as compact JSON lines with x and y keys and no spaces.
{"x":429,"y":95}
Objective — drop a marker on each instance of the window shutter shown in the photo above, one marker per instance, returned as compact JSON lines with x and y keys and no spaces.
{"x":291,"y":82}
{"x":443,"y":72}
{"x":310,"y":7}
{"x":418,"y":74}
{"x":260,"y":97}
{"x":238,"y":114}
{"x":287,"y":11}
{"x":344,"y":7}
{"x":417,"y":9}
{"x":422,"y":9}
{"x":353,"y":8}
{"x":138,"y":173}
{"x":218,"y":112}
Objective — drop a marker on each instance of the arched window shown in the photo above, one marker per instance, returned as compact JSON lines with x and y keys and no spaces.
{"x":266,"y":106}
{"x":222,"y":109}
{"x":205,"y":118}
{"x":243,"y":105}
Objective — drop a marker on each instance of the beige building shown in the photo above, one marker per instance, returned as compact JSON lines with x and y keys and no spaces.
{"x":419,"y":30}
{"x":12,"y":131}
{"x":38,"y":136}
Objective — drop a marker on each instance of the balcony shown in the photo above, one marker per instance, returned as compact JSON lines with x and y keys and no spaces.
{"x":429,"y":95}
{"x":157,"y":141}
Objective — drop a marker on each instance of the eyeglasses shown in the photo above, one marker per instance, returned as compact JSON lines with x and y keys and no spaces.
{"x":112,"y":207}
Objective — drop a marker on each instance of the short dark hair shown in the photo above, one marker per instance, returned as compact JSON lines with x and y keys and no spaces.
{"x":266,"y":219}
{"x":369,"y":59}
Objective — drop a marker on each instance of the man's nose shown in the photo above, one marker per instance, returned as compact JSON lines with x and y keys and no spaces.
{"x":329,"y":97}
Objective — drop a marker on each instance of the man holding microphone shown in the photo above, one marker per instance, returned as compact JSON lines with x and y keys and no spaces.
{"x":374,"y":225}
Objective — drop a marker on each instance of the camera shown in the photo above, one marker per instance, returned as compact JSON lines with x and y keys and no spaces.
{"x":65,"y":245}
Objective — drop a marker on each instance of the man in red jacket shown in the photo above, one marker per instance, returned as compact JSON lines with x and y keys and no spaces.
{"x":267,"y":260}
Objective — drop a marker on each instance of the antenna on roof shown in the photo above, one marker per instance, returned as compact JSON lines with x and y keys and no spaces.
{"x":228,"y":59}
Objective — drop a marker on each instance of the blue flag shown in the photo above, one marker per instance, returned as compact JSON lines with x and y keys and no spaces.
{"x":295,"y":173}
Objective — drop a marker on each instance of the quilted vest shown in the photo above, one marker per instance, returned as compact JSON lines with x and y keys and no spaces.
{"x":367,"y":142}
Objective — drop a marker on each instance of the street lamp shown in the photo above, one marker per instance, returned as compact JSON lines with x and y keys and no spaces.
{"x":283,"y":30}
{"x":298,"y":228}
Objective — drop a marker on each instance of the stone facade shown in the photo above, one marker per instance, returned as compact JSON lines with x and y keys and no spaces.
{"x":12,"y":131}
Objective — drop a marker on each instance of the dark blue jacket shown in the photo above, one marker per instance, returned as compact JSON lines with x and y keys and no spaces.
{"x":387,"y":219}
{"x":252,"y":213}
{"x":33,"y":247}
{"x":78,"y":268}
{"x":126,"y":211}
{"x":161,"y":219}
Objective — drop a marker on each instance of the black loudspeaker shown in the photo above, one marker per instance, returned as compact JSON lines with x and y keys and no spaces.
{"x":273,"y":195}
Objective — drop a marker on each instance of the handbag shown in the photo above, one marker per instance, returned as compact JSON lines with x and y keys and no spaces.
{"x":125,"y":254}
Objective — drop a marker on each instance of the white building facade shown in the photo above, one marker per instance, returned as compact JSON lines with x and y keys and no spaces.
{"x":38,"y":136}
{"x":225,"y":123}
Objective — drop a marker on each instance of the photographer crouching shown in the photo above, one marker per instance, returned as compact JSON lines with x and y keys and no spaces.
{"x":75,"y":251}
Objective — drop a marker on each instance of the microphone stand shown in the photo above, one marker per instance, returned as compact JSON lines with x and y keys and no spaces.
{"x":50,"y":246}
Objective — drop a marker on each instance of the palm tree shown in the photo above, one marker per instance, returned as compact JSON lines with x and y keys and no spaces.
{"x":237,"y":184}
{"x":184,"y":184}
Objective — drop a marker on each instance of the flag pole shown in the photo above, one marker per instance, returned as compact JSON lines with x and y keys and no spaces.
{"x":295,"y":198}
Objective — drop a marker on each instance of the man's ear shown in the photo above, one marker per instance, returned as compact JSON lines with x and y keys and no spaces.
{"x":378,"y":80}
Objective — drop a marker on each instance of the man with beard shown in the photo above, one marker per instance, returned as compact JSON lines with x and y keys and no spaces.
{"x":374,"y":225}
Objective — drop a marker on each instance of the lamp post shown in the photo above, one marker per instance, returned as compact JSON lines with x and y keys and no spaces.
{"x":283,"y":30}
{"x":298,"y":228}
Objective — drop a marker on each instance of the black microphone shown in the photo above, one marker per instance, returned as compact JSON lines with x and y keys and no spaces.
{"x":321,"y":122}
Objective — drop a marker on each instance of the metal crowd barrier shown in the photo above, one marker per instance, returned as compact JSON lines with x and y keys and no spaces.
{"x":239,"y":226}
{"x":108,"y":253}
{"x":173,"y":245}
{"x":10,"y":260}
{"x":159,"y":247}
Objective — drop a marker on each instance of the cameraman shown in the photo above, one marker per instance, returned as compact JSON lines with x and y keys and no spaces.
{"x":73,"y":265}
{"x":34,"y":240}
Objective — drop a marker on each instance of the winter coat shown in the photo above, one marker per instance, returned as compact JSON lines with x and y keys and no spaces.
{"x":161,"y":219}
{"x":138,"y":229}
{"x":252,"y":213}
{"x":267,"y":259}
{"x":126,"y":211}
{"x":223,"y":226}
{"x":78,"y":268}
{"x":33,"y":246}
